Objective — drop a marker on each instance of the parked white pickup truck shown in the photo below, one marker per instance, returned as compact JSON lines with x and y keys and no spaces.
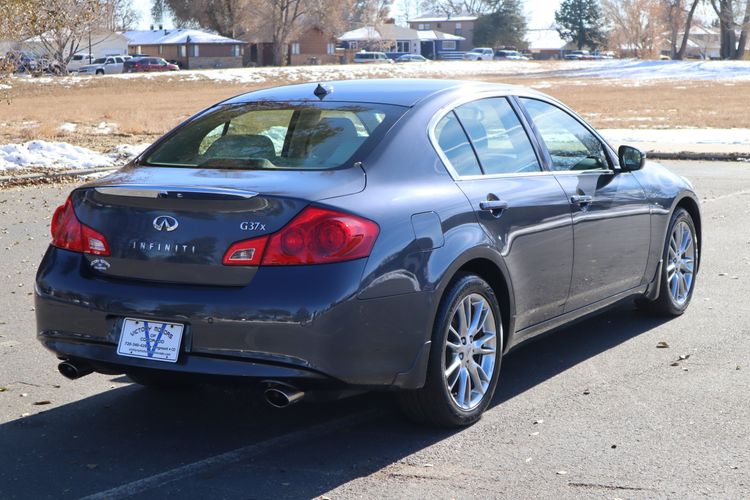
{"x":479,"y":54}
{"x":104,"y":66}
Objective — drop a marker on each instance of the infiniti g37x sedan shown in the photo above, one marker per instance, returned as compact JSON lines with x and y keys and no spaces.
{"x":324,"y":239}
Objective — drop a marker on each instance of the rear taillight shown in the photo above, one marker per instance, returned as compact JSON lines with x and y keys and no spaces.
{"x":68,"y":233}
{"x":315,"y":236}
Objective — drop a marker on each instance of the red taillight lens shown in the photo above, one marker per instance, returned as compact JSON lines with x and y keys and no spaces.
{"x":246,"y":253}
{"x":315,"y":236}
{"x":321,"y":236}
{"x":68,"y":233}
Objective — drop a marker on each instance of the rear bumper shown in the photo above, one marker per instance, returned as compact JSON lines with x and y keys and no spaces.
{"x":301,"y":322}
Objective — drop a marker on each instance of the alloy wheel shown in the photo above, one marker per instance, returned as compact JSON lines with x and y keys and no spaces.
{"x":470,"y":351}
{"x":681,"y":262}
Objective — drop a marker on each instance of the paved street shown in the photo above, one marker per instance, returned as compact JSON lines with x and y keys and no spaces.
{"x":593,"y":411}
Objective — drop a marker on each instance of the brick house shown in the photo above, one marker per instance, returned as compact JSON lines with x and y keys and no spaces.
{"x":459,"y":25}
{"x":192,"y":49}
{"x":388,"y":37}
{"x":312,"y":46}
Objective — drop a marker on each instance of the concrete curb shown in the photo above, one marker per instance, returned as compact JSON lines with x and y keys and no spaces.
{"x":693,"y":156}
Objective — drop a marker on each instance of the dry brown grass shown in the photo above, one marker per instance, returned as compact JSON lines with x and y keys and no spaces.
{"x":144,"y":109}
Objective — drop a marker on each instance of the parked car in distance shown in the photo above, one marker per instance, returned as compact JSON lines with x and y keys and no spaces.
{"x":479,"y":54}
{"x":390,"y":234}
{"x":371,"y":57}
{"x":509,"y":55}
{"x":407,"y":58}
{"x":578,"y":55}
{"x":79,"y":60}
{"x":148,"y":64}
{"x":22,"y":61}
{"x":111,"y":65}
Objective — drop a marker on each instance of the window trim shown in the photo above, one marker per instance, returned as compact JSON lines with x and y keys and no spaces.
{"x":543,"y":156}
{"x":445,"y":110}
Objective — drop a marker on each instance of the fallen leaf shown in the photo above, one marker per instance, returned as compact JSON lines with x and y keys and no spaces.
{"x":40,"y":403}
{"x":676,"y":363}
{"x":427,"y":465}
{"x":25,"y":414}
{"x":613,"y":446}
{"x":540,"y":421}
{"x":723,"y":274}
{"x":562,"y":472}
{"x":3,"y":389}
{"x":24,"y":394}
{"x":586,"y":392}
{"x":662,"y":345}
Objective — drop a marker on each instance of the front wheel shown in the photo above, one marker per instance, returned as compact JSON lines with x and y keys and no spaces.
{"x":464,"y":364}
{"x":680,"y":265}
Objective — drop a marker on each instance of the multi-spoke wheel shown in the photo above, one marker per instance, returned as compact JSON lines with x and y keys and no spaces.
{"x":470,"y":351}
{"x":680,"y":264}
{"x":467,"y":345}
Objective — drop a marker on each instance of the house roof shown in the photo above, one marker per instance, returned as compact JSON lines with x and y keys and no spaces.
{"x":435,"y":18}
{"x":175,"y":37}
{"x":393,"y":32}
{"x":544,"y":39}
{"x":430,"y":35}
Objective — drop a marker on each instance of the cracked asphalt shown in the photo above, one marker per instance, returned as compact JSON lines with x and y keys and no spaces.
{"x":596,"y":410}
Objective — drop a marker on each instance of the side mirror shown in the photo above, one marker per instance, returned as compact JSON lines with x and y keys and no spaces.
{"x":631,"y":158}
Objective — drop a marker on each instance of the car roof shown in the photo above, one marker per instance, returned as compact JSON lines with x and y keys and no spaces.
{"x":397,"y":91}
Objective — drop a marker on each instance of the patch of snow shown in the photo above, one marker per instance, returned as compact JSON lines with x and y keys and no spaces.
{"x":687,"y":136}
{"x":127,"y":152}
{"x":68,"y":127}
{"x":51,"y":155}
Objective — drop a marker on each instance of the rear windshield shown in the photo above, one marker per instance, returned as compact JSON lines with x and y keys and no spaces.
{"x":303,"y":136}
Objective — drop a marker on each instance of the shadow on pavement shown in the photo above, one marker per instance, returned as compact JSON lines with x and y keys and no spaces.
{"x":131,"y":433}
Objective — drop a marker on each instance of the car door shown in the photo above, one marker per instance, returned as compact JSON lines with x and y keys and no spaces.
{"x":117,"y":66}
{"x":522,"y":208}
{"x":611,"y":215}
{"x":110,"y":66}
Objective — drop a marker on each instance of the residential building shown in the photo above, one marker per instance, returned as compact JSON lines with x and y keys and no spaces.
{"x":312,"y":46}
{"x":459,"y":25}
{"x":547,"y":43}
{"x":100,"y":43}
{"x":391,"y":38}
{"x":189,"y":48}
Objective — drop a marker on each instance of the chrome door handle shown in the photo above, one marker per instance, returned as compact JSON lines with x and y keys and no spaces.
{"x":493,"y":205}
{"x":581,"y":199}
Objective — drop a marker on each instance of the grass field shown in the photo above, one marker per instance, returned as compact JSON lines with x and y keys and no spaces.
{"x":107,"y":111}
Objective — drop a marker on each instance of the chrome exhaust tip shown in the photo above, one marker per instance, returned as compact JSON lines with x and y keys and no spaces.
{"x":72,"y":370}
{"x":281,"y":395}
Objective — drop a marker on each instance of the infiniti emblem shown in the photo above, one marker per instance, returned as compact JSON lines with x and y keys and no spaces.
{"x":165,"y":223}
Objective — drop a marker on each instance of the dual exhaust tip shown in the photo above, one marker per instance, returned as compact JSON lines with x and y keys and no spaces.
{"x":276,"y":394}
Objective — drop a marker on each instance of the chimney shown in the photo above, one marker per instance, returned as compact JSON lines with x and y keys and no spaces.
{"x":390,"y":20}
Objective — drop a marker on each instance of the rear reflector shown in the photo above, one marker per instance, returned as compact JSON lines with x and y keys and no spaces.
{"x":68,"y":233}
{"x":246,"y":253}
{"x":315,"y":236}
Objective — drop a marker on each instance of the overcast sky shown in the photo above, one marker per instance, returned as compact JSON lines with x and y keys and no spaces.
{"x":541,"y":13}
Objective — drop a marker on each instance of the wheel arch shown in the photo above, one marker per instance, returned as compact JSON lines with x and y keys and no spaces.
{"x":486,"y":264}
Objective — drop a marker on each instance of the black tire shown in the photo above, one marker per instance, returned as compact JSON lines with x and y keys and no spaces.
{"x":99,"y":71}
{"x":433,"y":404}
{"x":665,"y":304}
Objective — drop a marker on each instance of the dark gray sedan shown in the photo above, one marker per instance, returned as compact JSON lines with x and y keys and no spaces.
{"x":323,"y":239}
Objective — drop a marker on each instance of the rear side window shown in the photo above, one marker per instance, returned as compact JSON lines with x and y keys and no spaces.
{"x":455,"y":145}
{"x":571,"y":145}
{"x":498,"y":137}
{"x":264,"y":135}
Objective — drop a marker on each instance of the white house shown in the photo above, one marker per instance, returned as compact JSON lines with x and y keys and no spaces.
{"x":391,"y":38}
{"x":99,"y":43}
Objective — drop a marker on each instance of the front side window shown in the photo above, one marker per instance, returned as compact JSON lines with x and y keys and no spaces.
{"x":571,"y":145}
{"x":499,"y":139}
{"x":267,"y":136}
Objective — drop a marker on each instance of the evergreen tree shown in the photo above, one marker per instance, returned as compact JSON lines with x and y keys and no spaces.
{"x":504,"y":26}
{"x":581,"y":21}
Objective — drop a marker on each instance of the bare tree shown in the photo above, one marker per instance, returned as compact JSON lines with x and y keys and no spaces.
{"x":678,"y":16}
{"x":637,"y":25}
{"x":454,"y":7}
{"x":119,"y":15}
{"x":729,"y":11}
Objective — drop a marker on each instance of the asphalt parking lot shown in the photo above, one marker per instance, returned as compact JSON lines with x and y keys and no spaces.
{"x":593,"y":411}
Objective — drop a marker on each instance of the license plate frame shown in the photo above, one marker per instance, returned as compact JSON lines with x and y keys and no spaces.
{"x":163,"y":342}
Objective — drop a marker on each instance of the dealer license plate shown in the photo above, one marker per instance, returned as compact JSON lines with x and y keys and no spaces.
{"x":147,"y":339}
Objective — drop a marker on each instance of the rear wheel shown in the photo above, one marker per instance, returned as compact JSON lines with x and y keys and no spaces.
{"x":464,"y":364}
{"x":680,"y":264}
{"x":100,"y":72}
